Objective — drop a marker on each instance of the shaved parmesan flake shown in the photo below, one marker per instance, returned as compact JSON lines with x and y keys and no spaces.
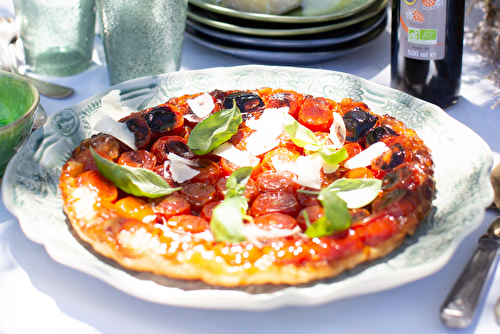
{"x":338,"y":131}
{"x":201,"y":105}
{"x":366,"y":157}
{"x":176,"y":158}
{"x":120,"y":131}
{"x":268,"y":128}
{"x":306,"y":168}
{"x":110,"y":105}
{"x":179,"y":168}
{"x":237,"y":157}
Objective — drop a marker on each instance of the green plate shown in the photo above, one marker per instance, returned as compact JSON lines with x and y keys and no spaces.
{"x":295,"y":16}
{"x":200,"y":16}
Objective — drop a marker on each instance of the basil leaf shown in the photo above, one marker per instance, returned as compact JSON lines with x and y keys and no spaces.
{"x":226,"y":223}
{"x":336,"y":216}
{"x":236,"y":183}
{"x":214,"y":130}
{"x":356,"y":192}
{"x":301,"y":136}
{"x":135,"y":181}
{"x":331,"y":155}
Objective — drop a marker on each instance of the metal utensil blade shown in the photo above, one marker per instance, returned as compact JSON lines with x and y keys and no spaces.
{"x":460,"y":306}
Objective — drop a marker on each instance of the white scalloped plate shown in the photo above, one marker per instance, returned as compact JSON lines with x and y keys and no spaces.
{"x":463,"y":162}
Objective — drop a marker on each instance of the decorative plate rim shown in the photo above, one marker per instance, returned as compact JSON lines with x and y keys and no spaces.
{"x":31,"y":181}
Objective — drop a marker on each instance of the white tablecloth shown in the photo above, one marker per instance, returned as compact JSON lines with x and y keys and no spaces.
{"x":38,"y":295}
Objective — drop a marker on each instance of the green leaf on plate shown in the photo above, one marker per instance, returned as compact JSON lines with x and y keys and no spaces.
{"x":133,"y":180}
{"x":336,"y":216}
{"x":226,"y":223}
{"x":214,"y":130}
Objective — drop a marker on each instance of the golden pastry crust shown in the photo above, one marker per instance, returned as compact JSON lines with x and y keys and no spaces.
{"x":170,"y":235}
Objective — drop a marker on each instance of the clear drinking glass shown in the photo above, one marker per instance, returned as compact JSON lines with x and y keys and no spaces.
{"x":141,"y":37}
{"x":57,"y":35}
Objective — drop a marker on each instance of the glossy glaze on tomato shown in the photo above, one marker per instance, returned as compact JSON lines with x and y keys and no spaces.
{"x":275,"y":202}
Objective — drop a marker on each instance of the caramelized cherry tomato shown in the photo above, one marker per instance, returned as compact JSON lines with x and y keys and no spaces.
{"x":86,"y":159}
{"x":352,"y":149}
{"x":379,"y":133}
{"x":275,"y":220}
{"x":171,"y":144}
{"x":238,"y":139}
{"x":359,"y":173}
{"x":348,"y":104}
{"x":404,"y":176}
{"x":275,"y":202}
{"x":141,"y":158}
{"x":326,"y":179}
{"x":283,"y":98}
{"x":358,"y":123}
{"x":135,"y":208}
{"x":390,"y":159}
{"x":316,"y":114}
{"x":198,"y":194}
{"x":357,"y":215}
{"x":306,"y":199}
{"x":206,"y":212}
{"x":376,"y":229}
{"x":140,"y":128}
{"x":281,"y":154}
{"x":164,"y":172}
{"x":247,"y":102}
{"x":314,"y":213}
{"x":164,"y":119}
{"x":106,"y":145}
{"x":336,"y":246}
{"x":173,"y":204}
{"x":210,"y":172}
{"x":188,"y":223}
{"x":270,"y":181}
{"x":104,"y":188}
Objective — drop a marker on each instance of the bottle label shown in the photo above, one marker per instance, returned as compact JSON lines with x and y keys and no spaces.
{"x":422,"y":29}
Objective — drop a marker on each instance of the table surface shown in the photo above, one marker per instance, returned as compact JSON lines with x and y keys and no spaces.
{"x":38,"y":295}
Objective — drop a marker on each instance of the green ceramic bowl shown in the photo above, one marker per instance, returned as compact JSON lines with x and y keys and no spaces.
{"x":18,"y":105}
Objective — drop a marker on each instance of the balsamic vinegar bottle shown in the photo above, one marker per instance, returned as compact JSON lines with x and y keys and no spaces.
{"x":426,"y":49}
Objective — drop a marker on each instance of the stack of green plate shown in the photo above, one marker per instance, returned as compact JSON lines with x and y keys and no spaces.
{"x":291,"y":38}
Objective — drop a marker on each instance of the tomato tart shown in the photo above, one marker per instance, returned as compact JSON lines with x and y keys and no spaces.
{"x":235,"y":188}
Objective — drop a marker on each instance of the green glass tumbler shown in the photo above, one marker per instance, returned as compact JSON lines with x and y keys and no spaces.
{"x":142,"y":38}
{"x":57,"y":35}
